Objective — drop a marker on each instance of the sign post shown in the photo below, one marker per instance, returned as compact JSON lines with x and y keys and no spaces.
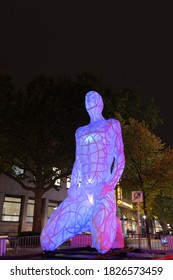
{"x":137,"y":197}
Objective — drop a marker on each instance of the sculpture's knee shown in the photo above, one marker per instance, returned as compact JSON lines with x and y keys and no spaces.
{"x":103,"y":242}
{"x":47,"y":243}
{"x":103,"y":226}
{"x":102,"y":248}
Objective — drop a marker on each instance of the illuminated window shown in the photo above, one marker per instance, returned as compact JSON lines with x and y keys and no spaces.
{"x":18,"y":171}
{"x":57,"y":172}
{"x":11,"y":209}
{"x":30,"y":211}
{"x":68,"y":182}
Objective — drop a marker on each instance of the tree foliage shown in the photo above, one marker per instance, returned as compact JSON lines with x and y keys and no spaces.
{"x":38,"y":124}
{"x":129,"y":104}
{"x":162,"y":208}
{"x":31,"y":122}
{"x":148,"y":163}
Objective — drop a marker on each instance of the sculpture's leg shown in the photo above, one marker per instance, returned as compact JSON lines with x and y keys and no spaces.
{"x":69,"y":219}
{"x":103,"y":225}
{"x":119,"y":240}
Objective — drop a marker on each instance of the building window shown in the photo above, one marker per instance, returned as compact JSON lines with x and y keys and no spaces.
{"x":68,"y":182}
{"x":30,"y":210}
{"x":11,"y":209}
{"x":57,"y":172}
{"x":17,"y":170}
{"x":52,"y":206}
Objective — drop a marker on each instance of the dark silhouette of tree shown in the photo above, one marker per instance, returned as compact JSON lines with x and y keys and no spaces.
{"x":36,"y":138}
{"x":38,"y":125}
{"x":129,"y":104}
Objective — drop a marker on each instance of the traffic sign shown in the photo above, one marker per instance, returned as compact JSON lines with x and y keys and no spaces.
{"x":137,"y":196}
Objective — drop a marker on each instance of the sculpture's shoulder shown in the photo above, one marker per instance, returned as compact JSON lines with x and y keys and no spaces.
{"x":114,"y":124}
{"x":81,"y":130}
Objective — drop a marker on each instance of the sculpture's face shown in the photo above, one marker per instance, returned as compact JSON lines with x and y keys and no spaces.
{"x":93,"y":102}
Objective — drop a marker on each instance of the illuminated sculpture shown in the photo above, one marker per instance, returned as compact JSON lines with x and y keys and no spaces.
{"x":90,"y":204}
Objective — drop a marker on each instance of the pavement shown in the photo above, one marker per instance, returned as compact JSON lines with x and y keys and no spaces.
{"x":88,"y":253}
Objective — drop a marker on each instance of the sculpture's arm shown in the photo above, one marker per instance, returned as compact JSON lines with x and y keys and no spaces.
{"x":75,"y":175}
{"x":118,"y":155}
{"x":76,"y":171}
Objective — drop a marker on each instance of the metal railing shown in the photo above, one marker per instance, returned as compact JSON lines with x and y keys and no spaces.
{"x":22,"y":245}
{"x":146,"y":242}
{"x":25,"y":245}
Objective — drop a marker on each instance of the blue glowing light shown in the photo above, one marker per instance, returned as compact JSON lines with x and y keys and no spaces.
{"x":90,"y":204}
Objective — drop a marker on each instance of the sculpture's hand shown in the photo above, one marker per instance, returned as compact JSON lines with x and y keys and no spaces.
{"x":103,"y":188}
{"x":106,"y":189}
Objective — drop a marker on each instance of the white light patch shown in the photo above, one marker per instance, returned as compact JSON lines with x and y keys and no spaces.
{"x":91,"y":199}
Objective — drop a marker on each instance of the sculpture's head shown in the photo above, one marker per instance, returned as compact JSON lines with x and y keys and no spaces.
{"x":93,"y":103}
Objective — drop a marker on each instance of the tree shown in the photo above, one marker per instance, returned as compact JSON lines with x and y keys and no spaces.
{"x":34,"y":139}
{"x":147,"y":167}
{"x":129,"y":104}
{"x":166,"y":174}
{"x":162,"y":208}
{"x":38,"y":126}
{"x":148,"y":163}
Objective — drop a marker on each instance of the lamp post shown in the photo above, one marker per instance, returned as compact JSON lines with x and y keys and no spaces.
{"x":137,"y":197}
{"x":144,"y":223}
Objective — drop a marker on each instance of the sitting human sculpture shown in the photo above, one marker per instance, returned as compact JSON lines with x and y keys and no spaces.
{"x":90,"y":203}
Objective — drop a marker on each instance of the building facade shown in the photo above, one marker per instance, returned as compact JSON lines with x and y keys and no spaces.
{"x":17,"y":206}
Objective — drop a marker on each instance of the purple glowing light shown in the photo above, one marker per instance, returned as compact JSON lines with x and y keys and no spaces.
{"x":90,"y":204}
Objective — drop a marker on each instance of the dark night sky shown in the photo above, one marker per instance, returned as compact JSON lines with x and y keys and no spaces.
{"x":128,"y":43}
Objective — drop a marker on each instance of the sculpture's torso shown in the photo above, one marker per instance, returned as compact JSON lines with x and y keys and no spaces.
{"x":95,"y":150}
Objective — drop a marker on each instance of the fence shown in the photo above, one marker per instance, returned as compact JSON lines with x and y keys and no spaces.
{"x":22,"y":245}
{"x":12,"y":246}
{"x":81,"y":240}
{"x":139,"y":242}
{"x":170,"y":242}
{"x":2,"y":246}
{"x":132,"y":241}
